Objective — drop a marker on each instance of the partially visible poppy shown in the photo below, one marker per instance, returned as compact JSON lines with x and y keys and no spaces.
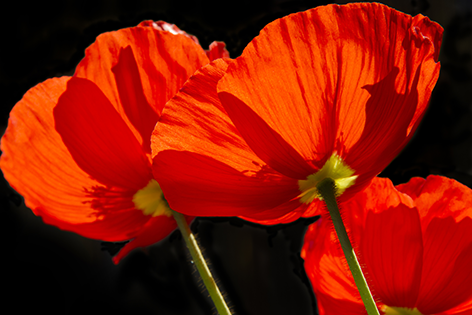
{"x":414,"y":245}
{"x":336,"y":91}
{"x":78,"y":148}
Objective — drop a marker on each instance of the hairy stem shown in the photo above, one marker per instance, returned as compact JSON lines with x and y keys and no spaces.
{"x":201,"y":265}
{"x":326,"y":188}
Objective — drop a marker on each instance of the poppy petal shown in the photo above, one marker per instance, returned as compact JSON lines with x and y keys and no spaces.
{"x":130,"y":89}
{"x":379,"y":196}
{"x":156,"y":229}
{"x":404,"y":69}
{"x":286,"y":213}
{"x":268,"y":145}
{"x":38,"y":164}
{"x":171,"y":28}
{"x":462,"y":309}
{"x":385,"y":230}
{"x":447,"y":260}
{"x":316,"y":80}
{"x":214,"y":168}
{"x":327,"y":269}
{"x":411,"y":259}
{"x":164,"y":61}
{"x":98,"y":139}
{"x":438,"y":196}
{"x":390,"y":239}
{"x":198,"y":184}
{"x":444,"y":208}
{"x":217,"y":50}
{"x":384,"y":226}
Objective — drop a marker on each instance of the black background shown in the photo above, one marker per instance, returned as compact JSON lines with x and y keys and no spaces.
{"x":259,"y":269}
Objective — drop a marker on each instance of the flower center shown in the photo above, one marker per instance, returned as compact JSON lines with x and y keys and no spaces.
{"x":151,"y":201}
{"x":388,"y":310}
{"x":334,"y":168}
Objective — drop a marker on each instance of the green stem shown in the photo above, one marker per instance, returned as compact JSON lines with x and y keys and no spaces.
{"x":326,"y":188}
{"x":201,"y":265}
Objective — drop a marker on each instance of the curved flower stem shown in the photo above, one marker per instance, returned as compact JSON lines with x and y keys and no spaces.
{"x":201,"y":265}
{"x":326,"y":189}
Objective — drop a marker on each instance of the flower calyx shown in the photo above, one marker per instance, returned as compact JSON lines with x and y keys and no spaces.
{"x":334,"y":168}
{"x":151,"y":201}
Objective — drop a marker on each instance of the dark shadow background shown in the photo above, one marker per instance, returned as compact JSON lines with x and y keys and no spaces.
{"x":259,"y":269}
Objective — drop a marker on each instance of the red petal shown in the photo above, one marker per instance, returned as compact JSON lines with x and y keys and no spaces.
{"x":156,"y":229}
{"x":197,"y":184}
{"x":462,"y":309}
{"x":130,"y":89}
{"x":285,"y":213}
{"x":38,"y":164}
{"x":447,"y":259}
{"x":217,"y":50}
{"x":199,"y":154}
{"x":171,"y":28}
{"x":444,"y":207}
{"x":439,"y":196}
{"x":98,"y":139}
{"x":386,"y":233}
{"x":355,"y":79}
{"x":379,"y":196}
{"x":392,"y":254}
{"x":268,"y":145}
{"x":385,"y":226}
{"x":164,"y":62}
{"x":328,"y":271}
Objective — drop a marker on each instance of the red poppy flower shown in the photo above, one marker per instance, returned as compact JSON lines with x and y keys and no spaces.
{"x":78,"y":148}
{"x":414,"y":245}
{"x":336,"y":91}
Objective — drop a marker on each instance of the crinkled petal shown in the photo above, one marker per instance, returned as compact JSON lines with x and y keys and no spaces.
{"x":385,"y":230}
{"x":447,"y":259}
{"x":196,"y":184}
{"x":156,"y":229}
{"x":438,"y":196}
{"x":217,"y":50}
{"x":133,"y":101}
{"x":444,"y":208}
{"x":98,"y":139}
{"x":171,"y":28}
{"x":328,"y":271}
{"x":385,"y":227}
{"x":266,"y":143}
{"x":39,"y":165}
{"x":379,"y":196}
{"x":156,"y":64}
{"x":352,"y":79}
{"x":462,"y":309}
{"x":286,"y":213}
{"x":392,"y":254}
{"x":203,"y":165}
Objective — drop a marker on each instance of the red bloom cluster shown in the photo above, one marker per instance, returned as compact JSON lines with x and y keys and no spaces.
{"x":78,"y":148}
{"x":336,"y":91}
{"x":414,"y":245}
